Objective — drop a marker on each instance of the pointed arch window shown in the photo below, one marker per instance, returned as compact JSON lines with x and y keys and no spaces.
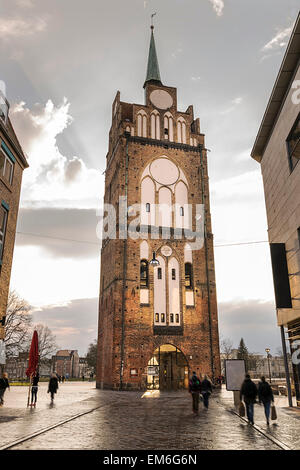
{"x":155,"y":125}
{"x":168,"y":127}
{"x":144,"y":274}
{"x":188,"y":276}
{"x":142,"y":124}
{"x":181,"y":131}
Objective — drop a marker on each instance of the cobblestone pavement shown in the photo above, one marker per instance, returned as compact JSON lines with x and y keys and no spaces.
{"x":286,"y":428}
{"x":134,"y":420}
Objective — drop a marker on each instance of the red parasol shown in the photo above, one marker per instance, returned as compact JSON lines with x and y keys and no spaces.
{"x":33,"y":355}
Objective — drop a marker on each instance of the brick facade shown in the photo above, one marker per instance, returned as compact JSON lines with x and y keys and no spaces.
{"x":9,"y":198}
{"x":127,"y":336}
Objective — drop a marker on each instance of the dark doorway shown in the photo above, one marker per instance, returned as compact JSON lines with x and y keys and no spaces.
{"x":167,"y":369}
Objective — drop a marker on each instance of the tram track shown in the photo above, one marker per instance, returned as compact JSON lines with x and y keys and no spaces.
{"x":9,"y":446}
{"x":39,"y":432}
{"x":271,"y":438}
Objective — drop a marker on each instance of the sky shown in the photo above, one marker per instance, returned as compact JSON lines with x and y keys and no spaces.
{"x":62,"y":62}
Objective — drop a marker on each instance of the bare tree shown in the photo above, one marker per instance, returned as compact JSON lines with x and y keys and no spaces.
{"x":17,"y":324}
{"x":47,"y":341}
{"x":226,"y":346}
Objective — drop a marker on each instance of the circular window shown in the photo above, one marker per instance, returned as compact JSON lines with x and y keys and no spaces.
{"x":164,"y":171}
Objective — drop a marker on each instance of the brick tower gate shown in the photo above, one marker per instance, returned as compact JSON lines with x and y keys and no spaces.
{"x":157,"y":307}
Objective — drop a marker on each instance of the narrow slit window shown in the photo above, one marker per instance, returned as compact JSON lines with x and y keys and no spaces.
{"x":181,"y":211}
{"x":148,"y":207}
{"x":188,"y":276}
{"x":159,"y":274}
{"x":173,"y":274}
{"x":144,"y":274}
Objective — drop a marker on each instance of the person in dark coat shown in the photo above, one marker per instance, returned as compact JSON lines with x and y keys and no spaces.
{"x":206,"y":390}
{"x":195,"y":389}
{"x":53,"y":386}
{"x":265,"y":396}
{"x":4,"y":384}
{"x":34,"y":389}
{"x":249,"y":393}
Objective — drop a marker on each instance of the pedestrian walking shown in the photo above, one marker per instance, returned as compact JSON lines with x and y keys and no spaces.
{"x":34,"y":389}
{"x":82,"y":378}
{"x":249,"y":393}
{"x":4,"y":384}
{"x":195,"y":389}
{"x":206,"y":390}
{"x":265,"y":396}
{"x":63,"y":379}
{"x":53,"y":386}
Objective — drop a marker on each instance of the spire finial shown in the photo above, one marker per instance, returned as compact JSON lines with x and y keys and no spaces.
{"x":152,"y":25}
{"x":153,"y":74}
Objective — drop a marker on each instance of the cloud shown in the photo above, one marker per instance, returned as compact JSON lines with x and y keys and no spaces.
{"x":54,"y":229}
{"x":253,"y":320}
{"x":279,"y":40}
{"x":218,"y":6}
{"x":234,"y":103}
{"x":52,"y":178}
{"x":25,"y":3}
{"x":18,"y":27}
{"x":74,"y":323}
{"x":177,"y":52}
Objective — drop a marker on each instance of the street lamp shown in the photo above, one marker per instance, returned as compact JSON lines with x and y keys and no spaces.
{"x":268,"y":357}
{"x":154,"y":262}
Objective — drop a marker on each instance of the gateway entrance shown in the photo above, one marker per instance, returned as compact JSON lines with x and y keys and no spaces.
{"x":167,"y":369}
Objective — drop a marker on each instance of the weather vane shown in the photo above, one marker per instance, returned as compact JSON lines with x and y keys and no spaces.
{"x":153,"y":14}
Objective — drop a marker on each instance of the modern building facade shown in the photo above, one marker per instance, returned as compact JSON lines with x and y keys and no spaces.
{"x":12,"y":164}
{"x":157,"y":307}
{"x":277,"y":149}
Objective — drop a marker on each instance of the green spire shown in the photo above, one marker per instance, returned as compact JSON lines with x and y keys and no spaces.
{"x":152,"y":68}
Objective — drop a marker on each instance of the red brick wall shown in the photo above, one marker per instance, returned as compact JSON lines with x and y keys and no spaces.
{"x":139,"y":341}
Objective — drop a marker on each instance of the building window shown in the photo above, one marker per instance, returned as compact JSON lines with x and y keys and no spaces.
{"x":293,"y":144}
{"x":155,"y":125}
{"x":174,"y":319}
{"x":3,"y":223}
{"x":173,"y":274}
{"x":159,"y":275}
{"x":148,"y":207}
{"x":168,"y":126}
{"x":188,"y":276}
{"x":160,"y":318}
{"x":142,"y":124}
{"x":6,"y":167}
{"x":181,"y":131}
{"x":144,"y":281}
{"x":181,"y":211}
{"x":4,"y":107}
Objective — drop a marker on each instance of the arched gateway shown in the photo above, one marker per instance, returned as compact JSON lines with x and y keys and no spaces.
{"x":167,"y":369}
